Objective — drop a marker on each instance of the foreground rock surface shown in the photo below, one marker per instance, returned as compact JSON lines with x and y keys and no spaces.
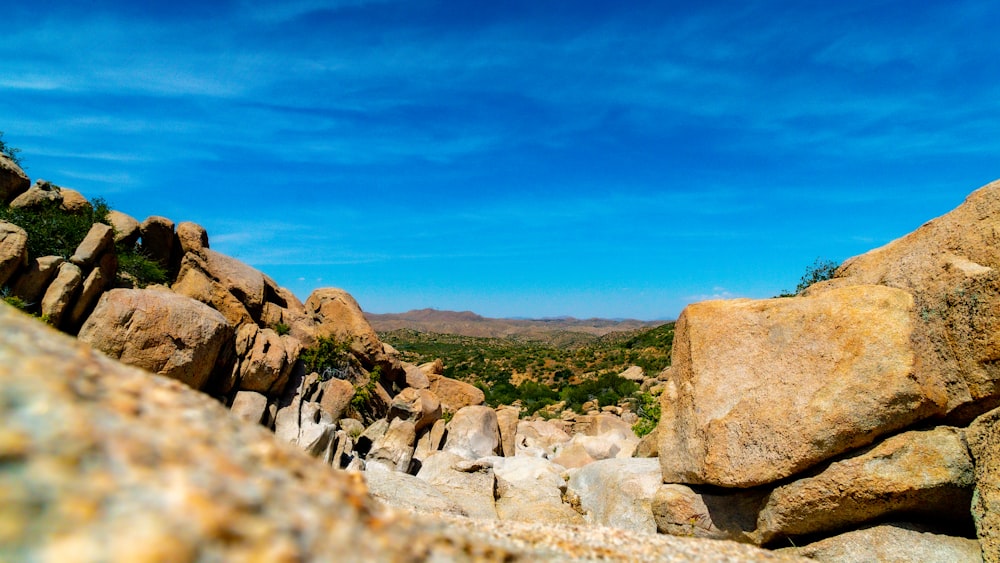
{"x":984,"y":442}
{"x":891,"y":544}
{"x":92,"y":448}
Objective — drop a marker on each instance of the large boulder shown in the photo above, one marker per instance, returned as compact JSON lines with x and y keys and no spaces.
{"x":469,"y":484}
{"x":530,"y":489}
{"x":157,"y":235}
{"x":507,"y":419}
{"x":242,"y":281}
{"x":13,"y":250}
{"x":920,"y":474}
{"x":159,"y":331}
{"x":891,"y":543}
{"x":951,"y":265}
{"x":127,"y":228}
{"x":473,"y":433}
{"x":408,"y":492}
{"x":265,"y":359}
{"x":13,"y":180}
{"x":619,"y":492}
{"x":680,"y":510}
{"x":99,"y":241}
{"x":394,"y":449}
{"x":33,"y":281}
{"x":194,"y":281}
{"x":419,"y":406}
{"x":454,"y":394}
{"x":59,"y":296}
{"x":983,"y":437}
{"x":339,"y":316}
{"x":191,"y":237}
{"x":74,"y":202}
{"x":539,"y":438}
{"x":761,"y":390}
{"x":39,"y":194}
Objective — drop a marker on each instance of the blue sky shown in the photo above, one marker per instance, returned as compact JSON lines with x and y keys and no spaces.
{"x":513,"y":158}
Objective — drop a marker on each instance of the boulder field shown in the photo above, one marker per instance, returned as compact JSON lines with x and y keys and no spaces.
{"x":853,"y":422}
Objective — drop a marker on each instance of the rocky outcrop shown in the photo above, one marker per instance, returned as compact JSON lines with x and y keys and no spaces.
{"x":915,"y":474}
{"x":159,"y":331}
{"x":13,"y":180}
{"x":454,"y":394}
{"x":761,"y":390}
{"x":895,"y":543}
{"x":127,"y":228}
{"x":39,"y":194}
{"x":13,"y":250}
{"x":984,"y":443}
{"x":473,"y":433}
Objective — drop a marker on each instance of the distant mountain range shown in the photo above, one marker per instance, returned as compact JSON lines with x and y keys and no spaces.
{"x":467,"y":323}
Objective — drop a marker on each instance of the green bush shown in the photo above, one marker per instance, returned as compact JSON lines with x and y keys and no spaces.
{"x":820,"y":270}
{"x":647,"y":407}
{"x":327,"y":358}
{"x":607,"y":389}
{"x":10,"y":152}
{"x":136,"y":266}
{"x":51,"y":230}
{"x":281,"y":328}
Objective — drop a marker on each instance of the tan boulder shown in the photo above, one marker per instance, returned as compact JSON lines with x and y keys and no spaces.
{"x":335,"y":397}
{"x":507,"y":419}
{"x":539,"y":438}
{"x":469,"y":484}
{"x":761,"y":390}
{"x":679,"y":510}
{"x":32,"y":283}
{"x":239,"y":279}
{"x":265,"y":359}
{"x":339,"y":316}
{"x":93,"y":286}
{"x":193,"y":281}
{"x":41,"y":193}
{"x":951,"y":265}
{"x":157,"y":234}
{"x":191,"y":237}
{"x":59,"y":296}
{"x":530,"y":489}
{"x":13,"y":251}
{"x":892,"y":543}
{"x":99,"y":241}
{"x":127,"y":228}
{"x":74,"y":202}
{"x":433,"y":368}
{"x":13,"y":180}
{"x":473,"y":433}
{"x":430,"y":441}
{"x":634,"y":373}
{"x":415,"y":377}
{"x":159,"y":331}
{"x":249,"y":406}
{"x":983,"y":437}
{"x":618,"y":492}
{"x":407,"y":492}
{"x":920,"y":473}
{"x":394,"y":449}
{"x":419,"y":406}
{"x":454,"y":394}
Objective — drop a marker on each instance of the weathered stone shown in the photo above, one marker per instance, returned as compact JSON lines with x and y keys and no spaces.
{"x":191,"y":237}
{"x":539,"y":438}
{"x":921,"y":473}
{"x":244,"y":282}
{"x":394,"y":449}
{"x":371,"y":435}
{"x":649,"y":445}
{"x":13,"y":180}
{"x":894,"y":543}
{"x":507,"y":419}
{"x":530,"y":489}
{"x":573,"y":455}
{"x":59,"y":296}
{"x":679,"y":510}
{"x":453,"y":394}
{"x":159,"y":331}
{"x":33,"y":282}
{"x":157,"y":235}
{"x":127,"y":228}
{"x":433,"y":368}
{"x":951,"y":265}
{"x":249,"y":406}
{"x":634,"y":373}
{"x":470,"y":485}
{"x":265,"y":365}
{"x":39,"y":194}
{"x":193,"y":282}
{"x":339,"y":316}
{"x":407,"y":492}
{"x":74,"y":202}
{"x":419,"y":406}
{"x":92,"y":448}
{"x":336,"y":397}
{"x":415,"y":377}
{"x":430,"y":441}
{"x":13,"y":251}
{"x":473,"y":433}
{"x":619,"y":492}
{"x":316,"y":432}
{"x":761,"y":390}
{"x":983,"y":437}
{"x":91,"y":290}
{"x":100,"y":240}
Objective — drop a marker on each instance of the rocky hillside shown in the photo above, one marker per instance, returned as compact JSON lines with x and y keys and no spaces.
{"x":855,"y":421}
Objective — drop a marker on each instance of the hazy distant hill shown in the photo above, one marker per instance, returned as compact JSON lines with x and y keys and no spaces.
{"x":559,"y":331}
